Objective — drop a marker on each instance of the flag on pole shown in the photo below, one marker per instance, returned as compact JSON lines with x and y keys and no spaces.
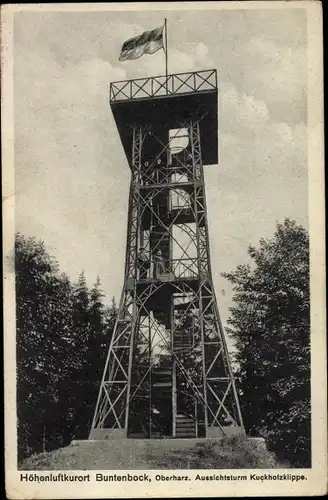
{"x":147,"y":43}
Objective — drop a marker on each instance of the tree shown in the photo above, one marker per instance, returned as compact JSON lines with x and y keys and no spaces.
{"x":270,"y":324}
{"x":43,"y":334}
{"x":81,"y":306}
{"x":96,"y":309}
{"x":62,"y":334}
{"x":95,"y":324}
{"x":110,"y":315}
{"x":92,"y":365}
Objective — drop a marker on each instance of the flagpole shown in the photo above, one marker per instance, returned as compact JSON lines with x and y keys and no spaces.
{"x":166,"y":62}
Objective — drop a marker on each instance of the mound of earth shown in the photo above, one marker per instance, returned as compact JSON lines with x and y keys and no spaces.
{"x":227,"y":453}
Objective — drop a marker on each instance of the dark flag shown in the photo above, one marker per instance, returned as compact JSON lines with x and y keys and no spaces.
{"x":147,"y":43}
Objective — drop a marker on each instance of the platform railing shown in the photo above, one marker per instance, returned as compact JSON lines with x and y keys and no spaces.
{"x":159,"y":86}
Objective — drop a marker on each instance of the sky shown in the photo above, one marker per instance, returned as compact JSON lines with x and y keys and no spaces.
{"x":72,"y":178}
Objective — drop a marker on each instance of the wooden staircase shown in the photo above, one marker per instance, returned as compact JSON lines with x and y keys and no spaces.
{"x":182,"y":341}
{"x":162,"y":382}
{"x":185,"y":427}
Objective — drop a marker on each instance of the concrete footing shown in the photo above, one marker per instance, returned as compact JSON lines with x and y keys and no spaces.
{"x":102,"y":434}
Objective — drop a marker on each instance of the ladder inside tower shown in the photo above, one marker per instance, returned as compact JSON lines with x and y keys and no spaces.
{"x":187,"y":369}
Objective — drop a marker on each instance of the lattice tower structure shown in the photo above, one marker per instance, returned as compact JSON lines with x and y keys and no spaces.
{"x":167,"y":372}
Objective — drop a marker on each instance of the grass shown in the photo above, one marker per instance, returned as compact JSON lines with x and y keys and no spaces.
{"x":229,"y":453}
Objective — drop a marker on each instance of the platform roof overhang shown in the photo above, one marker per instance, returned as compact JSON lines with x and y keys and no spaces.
{"x":182,"y":98}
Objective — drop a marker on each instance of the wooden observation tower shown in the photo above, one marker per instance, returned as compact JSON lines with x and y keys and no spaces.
{"x":167,"y":372}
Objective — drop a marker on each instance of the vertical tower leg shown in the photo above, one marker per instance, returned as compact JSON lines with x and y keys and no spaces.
{"x":222,"y":412}
{"x":112,"y":407}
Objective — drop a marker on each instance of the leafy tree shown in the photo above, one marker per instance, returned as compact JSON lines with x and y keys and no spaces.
{"x":43,"y":324}
{"x":62,"y":334}
{"x":270,"y":323}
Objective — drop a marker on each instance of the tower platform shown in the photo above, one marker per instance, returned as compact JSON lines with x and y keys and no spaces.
{"x":194,"y":96}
